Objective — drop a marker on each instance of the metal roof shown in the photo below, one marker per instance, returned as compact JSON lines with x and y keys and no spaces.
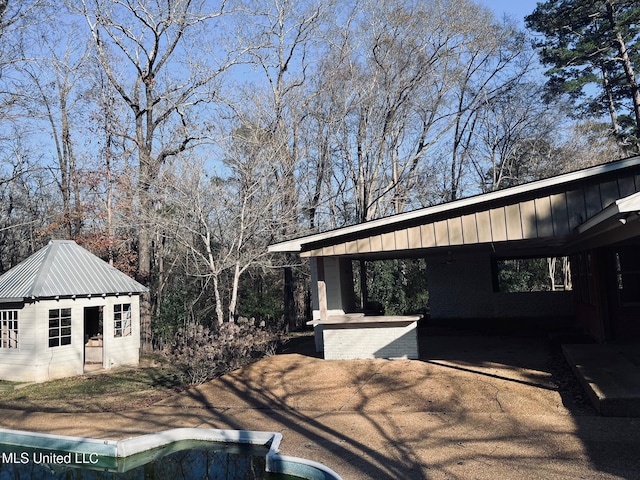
{"x":63,"y":269}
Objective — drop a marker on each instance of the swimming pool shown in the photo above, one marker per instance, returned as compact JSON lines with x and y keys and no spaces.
{"x":182,"y":453}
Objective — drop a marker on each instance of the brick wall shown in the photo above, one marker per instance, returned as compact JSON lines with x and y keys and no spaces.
{"x":397,"y":341}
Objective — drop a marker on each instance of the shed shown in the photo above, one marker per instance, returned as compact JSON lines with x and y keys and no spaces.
{"x":64,"y":311}
{"x":591,"y":216}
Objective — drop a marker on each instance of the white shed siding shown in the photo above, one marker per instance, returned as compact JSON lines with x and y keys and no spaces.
{"x":63,"y":360}
{"x":35,"y":361}
{"x":17,"y":364}
{"x":121,"y":350}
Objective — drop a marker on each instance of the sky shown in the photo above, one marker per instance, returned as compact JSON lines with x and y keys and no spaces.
{"x":517,"y":9}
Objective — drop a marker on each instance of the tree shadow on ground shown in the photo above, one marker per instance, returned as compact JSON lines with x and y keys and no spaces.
{"x":473,"y":407}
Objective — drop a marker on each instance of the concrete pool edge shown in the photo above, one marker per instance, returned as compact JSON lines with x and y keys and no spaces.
{"x":275,"y":462}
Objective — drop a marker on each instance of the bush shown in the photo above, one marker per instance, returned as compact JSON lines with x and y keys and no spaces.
{"x":202,"y":354}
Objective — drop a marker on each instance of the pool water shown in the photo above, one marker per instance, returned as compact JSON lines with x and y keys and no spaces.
{"x":184,"y":460}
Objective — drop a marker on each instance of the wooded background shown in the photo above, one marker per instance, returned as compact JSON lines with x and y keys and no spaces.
{"x":178,"y":138}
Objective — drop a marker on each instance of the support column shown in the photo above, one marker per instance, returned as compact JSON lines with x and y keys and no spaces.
{"x":364,"y":292}
{"x":322,"y":289}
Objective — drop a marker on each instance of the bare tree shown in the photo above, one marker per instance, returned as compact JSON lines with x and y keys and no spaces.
{"x":512,"y":136}
{"x":226,"y":222}
{"x":27,"y":202}
{"x":17,"y":19}
{"x":403,"y":79}
{"x":151,"y":52}
{"x":287,"y":36}
{"x":491,"y":61}
{"x":53,"y":94}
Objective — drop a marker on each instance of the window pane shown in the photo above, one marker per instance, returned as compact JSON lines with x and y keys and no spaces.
{"x":59,"y":327}
{"x":122,"y":320}
{"x":8,"y":329}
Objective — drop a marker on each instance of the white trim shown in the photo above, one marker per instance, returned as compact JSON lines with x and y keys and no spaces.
{"x":621,"y":206}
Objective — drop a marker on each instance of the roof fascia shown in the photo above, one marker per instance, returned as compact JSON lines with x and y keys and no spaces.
{"x":621,"y":206}
{"x":11,"y":300}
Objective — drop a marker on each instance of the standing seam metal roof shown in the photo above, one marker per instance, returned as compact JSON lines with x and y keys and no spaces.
{"x":64,"y":268}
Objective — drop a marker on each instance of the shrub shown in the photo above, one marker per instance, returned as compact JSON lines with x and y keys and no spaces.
{"x":201,"y":353}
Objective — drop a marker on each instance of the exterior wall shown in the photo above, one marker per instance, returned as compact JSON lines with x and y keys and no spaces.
{"x":17,"y":364}
{"x":462,"y":287}
{"x":64,"y":360}
{"x":372,"y":341}
{"x":590,"y":291}
{"x":35,"y":361}
{"x":599,"y":309}
{"x":121,"y":350}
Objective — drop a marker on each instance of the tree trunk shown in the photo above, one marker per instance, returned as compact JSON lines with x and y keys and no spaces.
{"x":628,"y":70}
{"x":364,"y":290}
{"x":610,"y":103}
{"x":144,"y":252}
{"x":289,"y":299}
{"x":234,"y":292}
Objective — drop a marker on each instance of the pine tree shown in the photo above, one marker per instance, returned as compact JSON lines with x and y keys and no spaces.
{"x":593,"y":43}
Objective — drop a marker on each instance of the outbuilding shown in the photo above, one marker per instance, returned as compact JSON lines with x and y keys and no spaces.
{"x":64,"y":311}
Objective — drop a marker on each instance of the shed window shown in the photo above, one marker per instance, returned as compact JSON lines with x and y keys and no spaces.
{"x":8,"y":329}
{"x":59,"y":327}
{"x":122,"y":320}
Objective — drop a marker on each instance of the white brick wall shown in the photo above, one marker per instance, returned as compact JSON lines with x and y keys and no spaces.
{"x":371,"y":341}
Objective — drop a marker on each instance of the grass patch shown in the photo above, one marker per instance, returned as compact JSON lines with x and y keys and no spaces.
{"x":112,"y":391}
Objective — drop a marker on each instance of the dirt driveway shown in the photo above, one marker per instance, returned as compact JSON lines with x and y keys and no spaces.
{"x":473,"y":408}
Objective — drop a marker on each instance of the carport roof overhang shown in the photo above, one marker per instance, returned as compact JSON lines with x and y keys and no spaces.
{"x":603,"y":225}
{"x":509,"y":249}
{"x":616,"y":223}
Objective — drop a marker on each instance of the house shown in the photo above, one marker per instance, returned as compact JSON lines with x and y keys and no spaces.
{"x":590,"y":216}
{"x":63,"y":311}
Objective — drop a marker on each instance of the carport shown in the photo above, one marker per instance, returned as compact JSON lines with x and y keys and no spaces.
{"x":590,"y":215}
